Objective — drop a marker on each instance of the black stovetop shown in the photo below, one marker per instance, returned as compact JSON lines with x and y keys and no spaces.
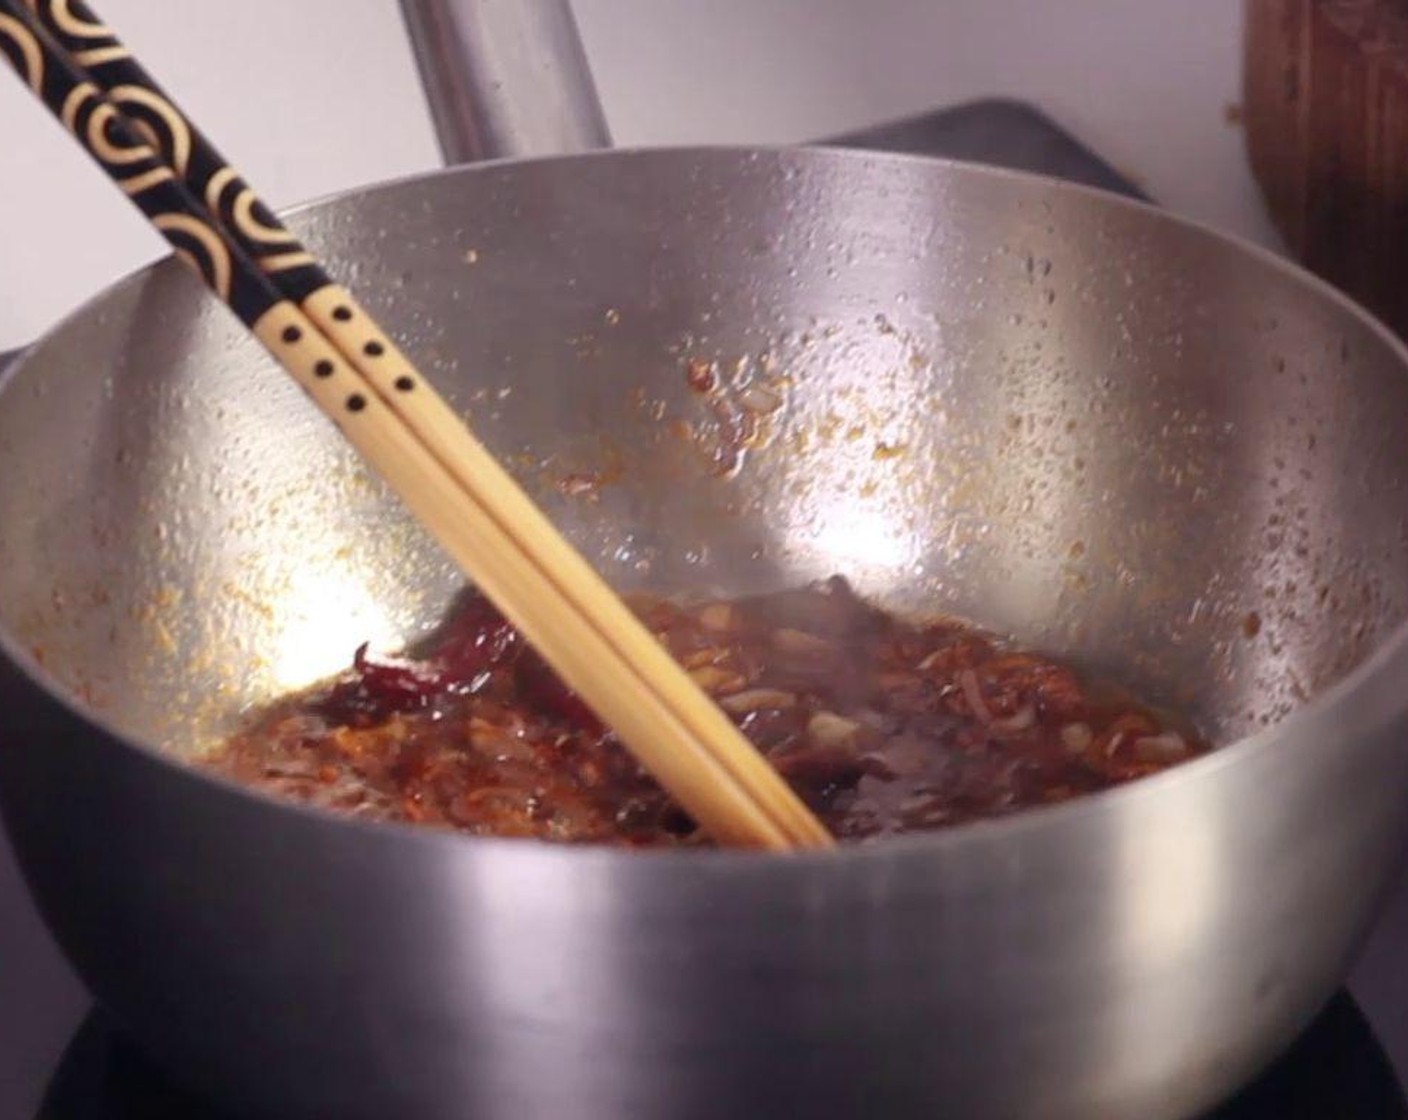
{"x":61,"y":1060}
{"x":1335,"y":1070}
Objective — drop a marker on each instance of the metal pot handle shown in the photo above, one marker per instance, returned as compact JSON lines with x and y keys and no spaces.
{"x":505,"y":78}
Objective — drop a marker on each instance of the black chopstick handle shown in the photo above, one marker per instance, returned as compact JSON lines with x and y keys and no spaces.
{"x":207,"y":212}
{"x":232,"y":203}
{"x":138,"y":169}
{"x":110,"y":65}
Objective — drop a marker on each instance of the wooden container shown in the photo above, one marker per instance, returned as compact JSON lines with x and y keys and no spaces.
{"x":1325,"y":91}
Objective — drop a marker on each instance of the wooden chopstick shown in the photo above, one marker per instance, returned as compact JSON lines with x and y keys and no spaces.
{"x":255,"y":229}
{"x":350,"y":367}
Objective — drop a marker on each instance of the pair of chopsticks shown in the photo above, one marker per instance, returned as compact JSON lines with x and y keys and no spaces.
{"x":391,"y":414}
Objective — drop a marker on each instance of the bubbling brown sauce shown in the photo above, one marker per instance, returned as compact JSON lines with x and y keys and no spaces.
{"x":882,"y":725}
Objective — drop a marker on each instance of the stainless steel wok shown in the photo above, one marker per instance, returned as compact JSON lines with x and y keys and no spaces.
{"x":1083,"y":421}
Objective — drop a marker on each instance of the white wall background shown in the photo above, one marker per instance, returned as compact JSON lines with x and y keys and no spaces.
{"x":336,"y":102}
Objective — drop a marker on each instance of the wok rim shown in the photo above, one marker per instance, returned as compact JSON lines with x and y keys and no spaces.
{"x":989,"y":831}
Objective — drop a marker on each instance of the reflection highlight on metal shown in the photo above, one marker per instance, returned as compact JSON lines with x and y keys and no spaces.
{"x":505,"y":79}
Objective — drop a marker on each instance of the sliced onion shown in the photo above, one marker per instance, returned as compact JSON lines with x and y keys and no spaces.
{"x":799,"y":641}
{"x":968,"y":681}
{"x":717,"y":617}
{"x":1165,"y":747}
{"x":714,"y":680}
{"x":757,"y":700}
{"x":701,"y":657}
{"x":1077,"y":737}
{"x":1023,"y":719}
{"x":827,"y":729}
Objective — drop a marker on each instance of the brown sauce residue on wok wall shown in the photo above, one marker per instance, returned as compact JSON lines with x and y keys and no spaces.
{"x":883,"y":725}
